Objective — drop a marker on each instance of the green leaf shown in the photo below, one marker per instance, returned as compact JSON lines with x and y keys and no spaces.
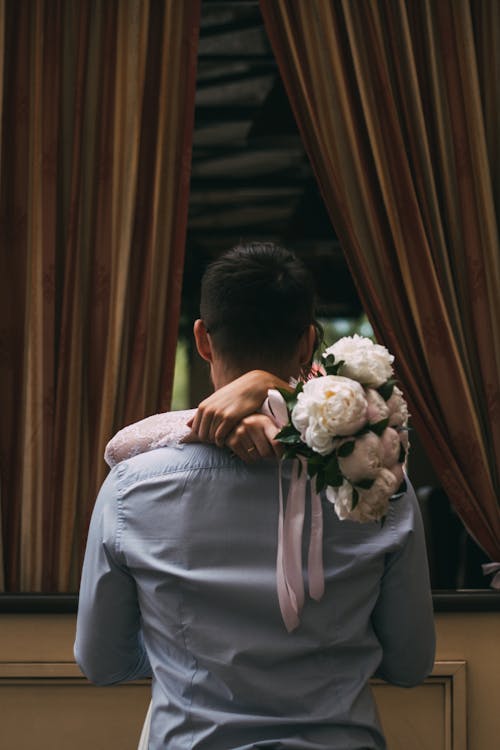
{"x":314,"y":464}
{"x":316,"y":458}
{"x":402,"y":487}
{"x":288,"y":429}
{"x":331,"y":463}
{"x":305,"y":451}
{"x":379,"y":427}
{"x":363,"y":430}
{"x":365,"y":484}
{"x":291,"y":396}
{"x":335,"y":481}
{"x":312,"y":469}
{"x":289,"y":439}
{"x":333,"y":475}
{"x":402,"y":453}
{"x":320,"y":480}
{"x":387,"y":388}
{"x":287,"y":395}
{"x":334,"y":369}
{"x":355,"y":498}
{"x":288,"y":435}
{"x":346,"y":449}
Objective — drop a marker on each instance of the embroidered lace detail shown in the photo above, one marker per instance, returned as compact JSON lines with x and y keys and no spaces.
{"x":157,"y":431}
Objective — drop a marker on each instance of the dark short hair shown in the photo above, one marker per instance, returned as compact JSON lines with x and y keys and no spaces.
{"x":256,"y":301}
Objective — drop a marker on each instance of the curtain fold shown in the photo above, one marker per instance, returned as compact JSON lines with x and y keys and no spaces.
{"x":398,"y":112}
{"x":97,"y":103}
{"x":2,"y":343}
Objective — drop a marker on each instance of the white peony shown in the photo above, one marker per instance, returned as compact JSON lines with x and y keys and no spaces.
{"x":391,"y":447}
{"x":327,"y":407}
{"x":372,"y":505}
{"x":398,"y":410}
{"x":377,"y":407}
{"x":365,"y":461}
{"x":369,"y":363}
{"x":399,"y":475}
{"x":405,"y":441}
{"x":341,"y":498}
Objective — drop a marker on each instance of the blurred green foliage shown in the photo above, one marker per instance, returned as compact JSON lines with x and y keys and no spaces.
{"x":334,"y":329}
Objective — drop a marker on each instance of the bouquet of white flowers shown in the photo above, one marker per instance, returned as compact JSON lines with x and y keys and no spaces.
{"x":348,"y":423}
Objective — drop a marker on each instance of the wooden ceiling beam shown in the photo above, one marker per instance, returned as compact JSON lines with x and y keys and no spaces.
{"x":222,"y":113}
{"x":264,"y":61}
{"x":215,"y":81}
{"x":240,"y":24}
{"x":235,"y":182}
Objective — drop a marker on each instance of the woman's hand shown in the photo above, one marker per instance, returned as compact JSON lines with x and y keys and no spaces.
{"x":253,"y":439}
{"x":219,"y":414}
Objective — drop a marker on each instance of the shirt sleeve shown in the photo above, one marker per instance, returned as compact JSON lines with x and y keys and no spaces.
{"x":403,"y":617}
{"x":109,"y":646}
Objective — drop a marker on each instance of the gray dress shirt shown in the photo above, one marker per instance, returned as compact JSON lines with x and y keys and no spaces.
{"x":179,"y":582}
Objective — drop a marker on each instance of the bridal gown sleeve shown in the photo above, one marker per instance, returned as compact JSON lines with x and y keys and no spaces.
{"x":153,"y":432}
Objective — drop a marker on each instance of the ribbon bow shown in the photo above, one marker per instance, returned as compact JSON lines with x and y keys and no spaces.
{"x":289,"y":579}
{"x":490,"y":568}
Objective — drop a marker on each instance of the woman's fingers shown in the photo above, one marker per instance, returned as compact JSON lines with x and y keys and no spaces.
{"x":215,"y":424}
{"x":271,"y":431}
{"x":219,"y":414}
{"x":253,"y":439}
{"x":261,"y":440}
{"x":224,"y":428}
{"x":191,"y":437}
{"x":212,"y":415}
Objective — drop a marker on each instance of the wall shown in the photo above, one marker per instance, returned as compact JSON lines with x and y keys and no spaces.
{"x":46,"y":703}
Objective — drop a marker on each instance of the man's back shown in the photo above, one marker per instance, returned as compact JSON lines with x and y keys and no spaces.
{"x":194,"y":532}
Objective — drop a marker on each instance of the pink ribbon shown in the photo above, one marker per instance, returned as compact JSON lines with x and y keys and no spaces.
{"x":289,"y":579}
{"x":490,"y":568}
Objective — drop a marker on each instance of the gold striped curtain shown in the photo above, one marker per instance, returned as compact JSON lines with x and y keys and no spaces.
{"x":397,"y":103}
{"x":97,"y":103}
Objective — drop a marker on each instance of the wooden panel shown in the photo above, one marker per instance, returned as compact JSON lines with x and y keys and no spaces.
{"x":21,"y":670}
{"x":50,"y":703}
{"x":36,"y":650}
{"x":431,"y":716}
{"x":37,"y":638}
{"x":59,"y":714}
{"x":47,"y":704}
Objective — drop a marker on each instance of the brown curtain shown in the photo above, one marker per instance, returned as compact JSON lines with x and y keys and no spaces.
{"x":397,"y":103}
{"x":97,"y":103}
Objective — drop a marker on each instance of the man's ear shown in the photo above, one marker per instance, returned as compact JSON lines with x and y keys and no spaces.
{"x":202,"y":340}
{"x":307,"y":345}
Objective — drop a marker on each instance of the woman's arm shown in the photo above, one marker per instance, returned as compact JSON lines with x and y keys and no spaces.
{"x":254,"y":439}
{"x":218,"y":415}
{"x":227,"y":417}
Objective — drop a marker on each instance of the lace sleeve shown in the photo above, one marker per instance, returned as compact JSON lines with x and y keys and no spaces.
{"x":153,"y":432}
